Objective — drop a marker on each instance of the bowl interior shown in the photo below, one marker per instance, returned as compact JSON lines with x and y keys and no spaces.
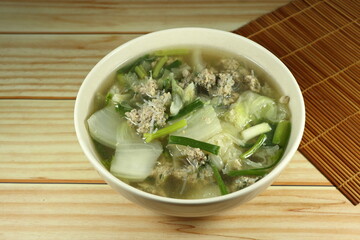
{"x":98,"y":78}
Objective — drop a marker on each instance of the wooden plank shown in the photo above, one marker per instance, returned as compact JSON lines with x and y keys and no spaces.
{"x":82,"y":211}
{"x":50,"y":66}
{"x":301,"y":172}
{"x":113,"y":16}
{"x":38,"y":141}
{"x":38,"y":144}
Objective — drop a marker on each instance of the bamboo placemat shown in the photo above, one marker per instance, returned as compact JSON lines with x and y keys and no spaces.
{"x":319,"y":42}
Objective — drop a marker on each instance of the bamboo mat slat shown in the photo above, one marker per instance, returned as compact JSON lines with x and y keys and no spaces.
{"x":319,"y":42}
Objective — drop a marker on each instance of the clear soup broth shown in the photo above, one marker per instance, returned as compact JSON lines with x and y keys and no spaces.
{"x":190,"y":123}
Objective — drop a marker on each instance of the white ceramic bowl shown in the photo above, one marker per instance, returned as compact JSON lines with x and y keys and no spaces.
{"x":229,"y":42}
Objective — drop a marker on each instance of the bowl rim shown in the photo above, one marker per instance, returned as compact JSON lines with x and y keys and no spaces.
{"x":104,"y":173}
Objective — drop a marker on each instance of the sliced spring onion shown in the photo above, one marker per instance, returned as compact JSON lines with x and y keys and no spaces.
{"x":259,"y":142}
{"x":282,"y":133}
{"x":258,"y":171}
{"x":270,"y":135}
{"x":171,"y":52}
{"x":159,"y":65}
{"x":140,"y":71}
{"x":218,"y":179}
{"x":248,"y":172}
{"x":188,"y":109}
{"x":165,"y":131}
{"x":254,"y":131}
{"x":132,"y":65}
{"x":211,"y":148}
{"x":246,"y":145}
{"x":174,"y":64}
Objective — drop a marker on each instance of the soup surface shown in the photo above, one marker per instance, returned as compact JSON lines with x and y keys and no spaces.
{"x":190,"y":123}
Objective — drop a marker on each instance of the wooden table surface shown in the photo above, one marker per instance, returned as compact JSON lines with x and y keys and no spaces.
{"x":48,"y":189}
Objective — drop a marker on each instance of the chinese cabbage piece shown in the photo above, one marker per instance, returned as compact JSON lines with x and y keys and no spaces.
{"x":190,"y":122}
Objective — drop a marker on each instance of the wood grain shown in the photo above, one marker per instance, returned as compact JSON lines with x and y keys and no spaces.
{"x":48,"y":190}
{"x":78,"y":211}
{"x":113,"y":16}
{"x":50,"y":66}
{"x":38,"y":144}
{"x":301,"y":172}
